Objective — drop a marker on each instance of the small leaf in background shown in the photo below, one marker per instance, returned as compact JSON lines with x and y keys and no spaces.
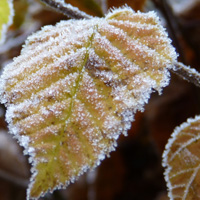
{"x":75,"y":88}
{"x":182,"y":161}
{"x":6,"y":15}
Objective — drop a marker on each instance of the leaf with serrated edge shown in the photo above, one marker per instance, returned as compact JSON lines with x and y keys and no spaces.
{"x":182,"y":161}
{"x":75,"y":88}
{"x":6,"y":17}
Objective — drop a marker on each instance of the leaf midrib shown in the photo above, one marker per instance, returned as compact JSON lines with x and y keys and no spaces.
{"x":74,"y":94}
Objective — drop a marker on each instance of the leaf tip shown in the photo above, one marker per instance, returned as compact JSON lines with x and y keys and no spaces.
{"x":113,"y":12}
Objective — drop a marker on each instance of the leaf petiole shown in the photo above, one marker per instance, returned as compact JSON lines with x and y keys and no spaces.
{"x":187,"y":73}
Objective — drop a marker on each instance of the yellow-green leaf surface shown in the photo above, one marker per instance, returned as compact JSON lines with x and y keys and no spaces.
{"x":6,"y":15}
{"x":182,"y":161}
{"x":75,"y":87}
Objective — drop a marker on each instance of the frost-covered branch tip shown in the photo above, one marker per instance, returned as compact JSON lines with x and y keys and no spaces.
{"x":66,"y":9}
{"x":187,"y":73}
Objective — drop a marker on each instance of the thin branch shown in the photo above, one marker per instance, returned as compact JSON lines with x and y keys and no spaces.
{"x":187,"y":73}
{"x":66,"y":9}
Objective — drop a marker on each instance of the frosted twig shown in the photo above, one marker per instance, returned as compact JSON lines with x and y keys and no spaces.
{"x":66,"y":9}
{"x":187,"y":73}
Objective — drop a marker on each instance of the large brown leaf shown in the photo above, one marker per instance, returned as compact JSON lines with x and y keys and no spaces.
{"x":76,"y":86}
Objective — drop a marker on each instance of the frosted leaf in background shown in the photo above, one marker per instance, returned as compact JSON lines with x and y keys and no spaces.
{"x":75,"y":88}
{"x":6,"y":17}
{"x":182,"y":161}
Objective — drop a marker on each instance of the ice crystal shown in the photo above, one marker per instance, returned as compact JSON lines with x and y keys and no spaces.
{"x":76,"y":86}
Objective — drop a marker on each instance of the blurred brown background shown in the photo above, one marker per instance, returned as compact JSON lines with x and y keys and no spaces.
{"x":133,"y":171}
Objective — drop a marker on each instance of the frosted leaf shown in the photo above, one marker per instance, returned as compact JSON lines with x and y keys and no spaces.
{"x":75,"y":88}
{"x":6,"y":15}
{"x":182,"y":161}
